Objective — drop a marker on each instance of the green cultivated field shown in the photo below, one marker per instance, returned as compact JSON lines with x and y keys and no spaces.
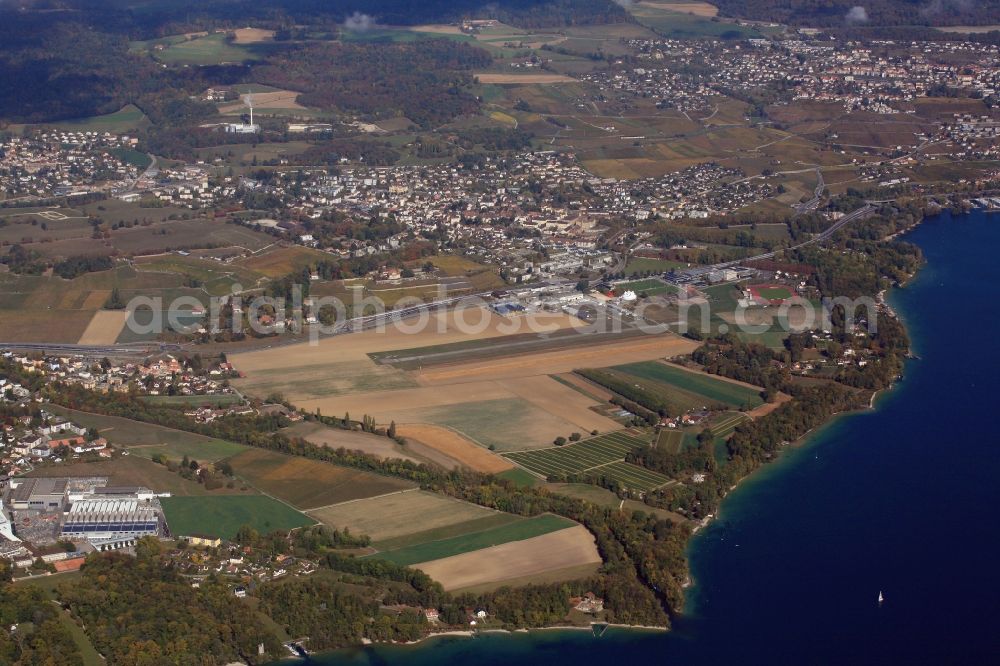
{"x":712,"y":389}
{"x":208,"y":50}
{"x":223,"y":516}
{"x":124,"y":120}
{"x":517,"y":531}
{"x":579,"y":457}
{"x":447,"y":532}
{"x":642,"y":264}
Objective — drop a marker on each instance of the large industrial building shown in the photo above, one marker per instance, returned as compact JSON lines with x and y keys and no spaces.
{"x":38,"y":494}
{"x":84,"y":509}
{"x":111,"y":519}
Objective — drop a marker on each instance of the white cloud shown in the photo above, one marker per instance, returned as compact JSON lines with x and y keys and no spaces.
{"x":857,"y":14}
{"x":358,"y":22}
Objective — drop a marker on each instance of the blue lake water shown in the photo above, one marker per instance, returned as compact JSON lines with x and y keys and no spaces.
{"x":901,"y":499}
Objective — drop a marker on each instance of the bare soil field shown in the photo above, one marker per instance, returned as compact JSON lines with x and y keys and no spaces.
{"x":281,"y":99}
{"x":437,"y":28}
{"x":43,"y":325}
{"x":252,"y":35}
{"x":104,"y":327}
{"x":335,"y":438}
{"x":399,"y":514}
{"x":566,"y":548}
{"x":696,"y":8}
{"x":969,"y":29}
{"x":455,"y":447}
{"x":769,"y":407}
{"x":589,"y":388}
{"x":309,"y":484}
{"x":515,"y":79}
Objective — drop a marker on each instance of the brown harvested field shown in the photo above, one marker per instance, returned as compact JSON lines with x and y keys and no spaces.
{"x":696,"y":8}
{"x":335,"y":438}
{"x":516,"y":79}
{"x":568,"y":548}
{"x":44,"y":325}
{"x":470,"y":397}
{"x":280,"y":99}
{"x":399,"y":514}
{"x":104,"y":327}
{"x":252,"y":35}
{"x":549,"y":395}
{"x":455,"y":447}
{"x":95,"y":300}
{"x":309,"y":484}
{"x":587,"y":387}
{"x":437,"y":28}
{"x":578,"y":572}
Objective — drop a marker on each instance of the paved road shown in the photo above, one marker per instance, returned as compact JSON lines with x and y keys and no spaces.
{"x":129,"y":349}
{"x":860,"y":213}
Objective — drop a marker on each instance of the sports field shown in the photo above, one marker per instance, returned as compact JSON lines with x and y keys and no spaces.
{"x":517,"y":531}
{"x":774,"y":294}
{"x":650,"y":287}
{"x":223,"y":516}
{"x":599,"y":456}
{"x":717,"y":390}
{"x":309,"y":484}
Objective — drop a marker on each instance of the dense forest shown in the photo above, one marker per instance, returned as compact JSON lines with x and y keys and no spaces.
{"x":834,"y":13}
{"x":422,"y":81}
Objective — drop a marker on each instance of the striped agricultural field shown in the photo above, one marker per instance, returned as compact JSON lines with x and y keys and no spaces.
{"x":632,"y":476}
{"x":726,"y":423}
{"x":603,"y":455}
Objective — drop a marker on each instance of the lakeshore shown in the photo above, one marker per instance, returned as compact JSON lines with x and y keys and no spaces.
{"x":732,"y":557}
